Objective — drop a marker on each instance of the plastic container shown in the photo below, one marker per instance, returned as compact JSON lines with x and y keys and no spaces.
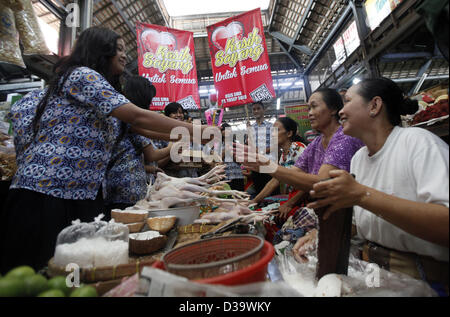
{"x":252,"y":274}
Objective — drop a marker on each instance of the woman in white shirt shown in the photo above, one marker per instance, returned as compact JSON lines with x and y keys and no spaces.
{"x":400,"y":192}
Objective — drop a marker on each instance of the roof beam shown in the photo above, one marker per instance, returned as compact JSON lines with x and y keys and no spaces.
{"x":326,"y":43}
{"x":167,"y":24}
{"x":274,"y":77}
{"x":422,"y":75}
{"x":286,"y":52}
{"x":285,"y":39}
{"x":272,"y":15}
{"x":124,"y":17}
{"x":301,"y":24}
{"x":59,"y":11}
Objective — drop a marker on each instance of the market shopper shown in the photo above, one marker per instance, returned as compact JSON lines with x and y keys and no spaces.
{"x":233,"y":170}
{"x":261,"y":134}
{"x":342,"y":92}
{"x":60,"y":172}
{"x":401,"y":191}
{"x":175,"y":111}
{"x":126,"y":180}
{"x":186,"y":116}
{"x":285,"y":130}
{"x":331,"y":150}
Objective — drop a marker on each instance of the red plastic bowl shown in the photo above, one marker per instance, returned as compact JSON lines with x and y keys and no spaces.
{"x":251,"y":274}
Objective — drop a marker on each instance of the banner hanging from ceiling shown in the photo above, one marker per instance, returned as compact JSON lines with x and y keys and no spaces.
{"x":239,"y":59}
{"x":166,"y":58}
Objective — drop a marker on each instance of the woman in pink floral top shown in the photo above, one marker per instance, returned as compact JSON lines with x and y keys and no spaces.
{"x":286,"y":130}
{"x":329,"y":151}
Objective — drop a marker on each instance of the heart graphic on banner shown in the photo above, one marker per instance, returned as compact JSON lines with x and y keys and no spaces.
{"x":221,"y":34}
{"x":152,"y":39}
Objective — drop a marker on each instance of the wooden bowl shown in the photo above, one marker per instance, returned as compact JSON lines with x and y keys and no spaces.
{"x":129,"y":216}
{"x":146,"y":246}
{"x":135,"y":227}
{"x":161,"y":224}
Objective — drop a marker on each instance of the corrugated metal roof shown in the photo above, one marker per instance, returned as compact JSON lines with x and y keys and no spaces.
{"x":304,"y":23}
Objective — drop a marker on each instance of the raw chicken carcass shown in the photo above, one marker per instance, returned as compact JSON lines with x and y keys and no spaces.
{"x":167,"y":191}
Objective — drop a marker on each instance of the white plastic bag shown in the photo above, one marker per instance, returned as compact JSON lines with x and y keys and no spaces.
{"x":75,"y":232}
{"x":95,"y":244}
{"x":98,"y":223}
{"x":158,"y":283}
{"x":363,"y":280}
{"x":113,"y":231}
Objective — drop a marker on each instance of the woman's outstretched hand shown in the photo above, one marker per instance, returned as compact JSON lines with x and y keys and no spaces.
{"x":253,"y":161}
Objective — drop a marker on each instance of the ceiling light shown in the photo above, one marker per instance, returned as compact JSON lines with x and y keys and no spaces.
{"x":356,"y":81}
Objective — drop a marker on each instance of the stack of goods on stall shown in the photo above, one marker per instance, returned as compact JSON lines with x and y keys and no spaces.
{"x":19,"y":25}
{"x":433,"y":104}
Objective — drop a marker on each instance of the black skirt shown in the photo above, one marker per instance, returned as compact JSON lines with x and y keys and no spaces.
{"x":30,"y":223}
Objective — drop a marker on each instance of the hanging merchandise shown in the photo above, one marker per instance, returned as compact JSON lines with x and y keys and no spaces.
{"x":29,"y":30}
{"x":239,"y":59}
{"x":14,"y":4}
{"x":214,"y":114}
{"x":166,"y":58}
{"x":9,"y":38}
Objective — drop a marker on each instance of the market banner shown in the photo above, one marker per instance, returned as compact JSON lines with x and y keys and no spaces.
{"x":239,"y":59}
{"x":166,"y":58}
{"x":299,"y":114}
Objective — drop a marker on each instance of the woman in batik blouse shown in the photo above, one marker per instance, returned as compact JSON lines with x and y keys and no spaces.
{"x":126,"y":180}
{"x":70,"y":135}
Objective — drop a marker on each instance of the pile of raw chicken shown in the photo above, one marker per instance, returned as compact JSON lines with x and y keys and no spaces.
{"x":167,"y":192}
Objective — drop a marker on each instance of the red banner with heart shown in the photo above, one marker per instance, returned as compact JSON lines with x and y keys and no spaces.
{"x":240,"y":61}
{"x":166,"y":58}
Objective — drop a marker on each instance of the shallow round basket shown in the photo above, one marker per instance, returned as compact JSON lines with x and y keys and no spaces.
{"x":135,"y":227}
{"x":142,"y":247}
{"x":213,"y":257}
{"x":106,"y":273}
{"x":127,"y":217}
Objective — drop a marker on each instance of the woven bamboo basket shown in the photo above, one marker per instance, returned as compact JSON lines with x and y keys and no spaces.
{"x":127,"y":217}
{"x":135,"y":227}
{"x":107,"y":273}
{"x":161,"y":224}
{"x":192,"y":233}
